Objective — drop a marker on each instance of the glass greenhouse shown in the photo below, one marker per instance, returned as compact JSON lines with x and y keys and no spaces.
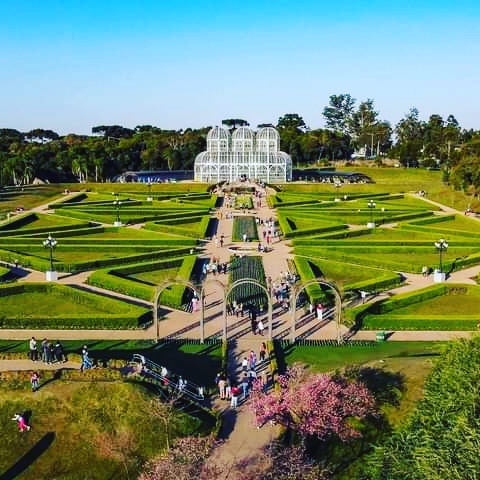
{"x":241,"y":155}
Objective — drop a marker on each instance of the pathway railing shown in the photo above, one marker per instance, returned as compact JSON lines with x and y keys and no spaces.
{"x":168,"y":379}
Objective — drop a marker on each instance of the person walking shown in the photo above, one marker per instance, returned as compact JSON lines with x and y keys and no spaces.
{"x":59,"y":355}
{"x":261,"y":327}
{"x":228,"y":389}
{"x":245,"y":384}
{"x":34,"y":378}
{"x":253,"y":360}
{"x":245,"y":364}
{"x":263,"y":351}
{"x":32,"y":345}
{"x":44,"y":351}
{"x":234,"y":399}
{"x":221,"y":387}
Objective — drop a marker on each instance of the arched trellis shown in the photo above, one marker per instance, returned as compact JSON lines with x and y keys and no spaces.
{"x":300,"y":287}
{"x":251,"y":281}
{"x":224,"y":306}
{"x":158,"y":291}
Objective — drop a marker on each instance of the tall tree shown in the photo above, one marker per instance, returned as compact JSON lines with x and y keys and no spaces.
{"x":233,"y":123}
{"x":410,"y":133}
{"x":291,"y":127}
{"x":339,"y":114}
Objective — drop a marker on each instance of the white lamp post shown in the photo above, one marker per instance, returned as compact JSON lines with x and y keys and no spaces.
{"x":438,"y":274}
{"x":371,"y":205}
{"x":337,"y":186}
{"x":117,"y":203}
{"x":149,"y":198}
{"x":50,"y":243}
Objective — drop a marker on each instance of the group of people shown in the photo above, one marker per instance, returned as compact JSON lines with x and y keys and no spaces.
{"x":49,"y":352}
{"x":214,"y":267}
{"x":231,"y":390}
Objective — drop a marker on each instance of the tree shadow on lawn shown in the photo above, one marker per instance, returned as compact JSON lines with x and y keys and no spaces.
{"x":387,"y":387}
{"x":30,"y":457}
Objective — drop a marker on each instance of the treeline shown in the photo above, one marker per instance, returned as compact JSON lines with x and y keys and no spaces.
{"x":352,"y":131}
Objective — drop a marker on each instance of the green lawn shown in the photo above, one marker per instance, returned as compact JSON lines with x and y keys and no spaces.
{"x":39,"y":303}
{"x":452,"y":304}
{"x":343,"y":274}
{"x":105,"y":428}
{"x":28,"y":197}
{"x":155,"y":277}
{"x":42,"y":302}
{"x":326,"y":359}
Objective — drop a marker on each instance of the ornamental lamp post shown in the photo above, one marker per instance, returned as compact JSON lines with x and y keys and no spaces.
{"x":149,"y":186}
{"x":117,"y":203}
{"x":371,"y":206}
{"x":337,"y":186}
{"x":439,"y":275}
{"x":51,"y":243}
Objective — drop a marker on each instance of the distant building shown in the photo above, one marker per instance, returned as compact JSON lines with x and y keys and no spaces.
{"x":241,"y":155}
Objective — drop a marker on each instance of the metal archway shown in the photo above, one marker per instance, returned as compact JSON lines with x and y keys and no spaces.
{"x":243,"y":281}
{"x":202,"y":300}
{"x":298,"y":289}
{"x":158,"y":291}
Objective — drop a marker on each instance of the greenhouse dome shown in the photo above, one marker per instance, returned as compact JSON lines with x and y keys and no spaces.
{"x":241,"y":155}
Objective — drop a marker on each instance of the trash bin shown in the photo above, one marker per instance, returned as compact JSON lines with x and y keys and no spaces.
{"x":381,"y":336}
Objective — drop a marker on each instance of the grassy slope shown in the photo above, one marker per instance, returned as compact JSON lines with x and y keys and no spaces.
{"x":104,"y":428}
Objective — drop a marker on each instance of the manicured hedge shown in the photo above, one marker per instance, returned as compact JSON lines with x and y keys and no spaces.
{"x":441,"y":231}
{"x":77,"y":322}
{"x":421,"y":322}
{"x":380,"y":282}
{"x":107,"y":280}
{"x":313,"y":231}
{"x":432,"y":220}
{"x":18,"y":222}
{"x":42,"y":231}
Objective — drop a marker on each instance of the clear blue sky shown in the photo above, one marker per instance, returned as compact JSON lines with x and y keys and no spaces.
{"x":69,"y":65}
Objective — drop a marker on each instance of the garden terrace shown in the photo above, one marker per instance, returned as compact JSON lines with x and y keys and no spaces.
{"x":54,"y":306}
{"x":418,"y":310}
{"x":38,"y":221}
{"x":346,"y":252}
{"x":93,"y":247}
{"x":26,"y":197}
{"x":140,"y":280}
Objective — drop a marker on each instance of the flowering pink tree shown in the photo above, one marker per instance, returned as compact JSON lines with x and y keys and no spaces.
{"x":316,"y":405}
